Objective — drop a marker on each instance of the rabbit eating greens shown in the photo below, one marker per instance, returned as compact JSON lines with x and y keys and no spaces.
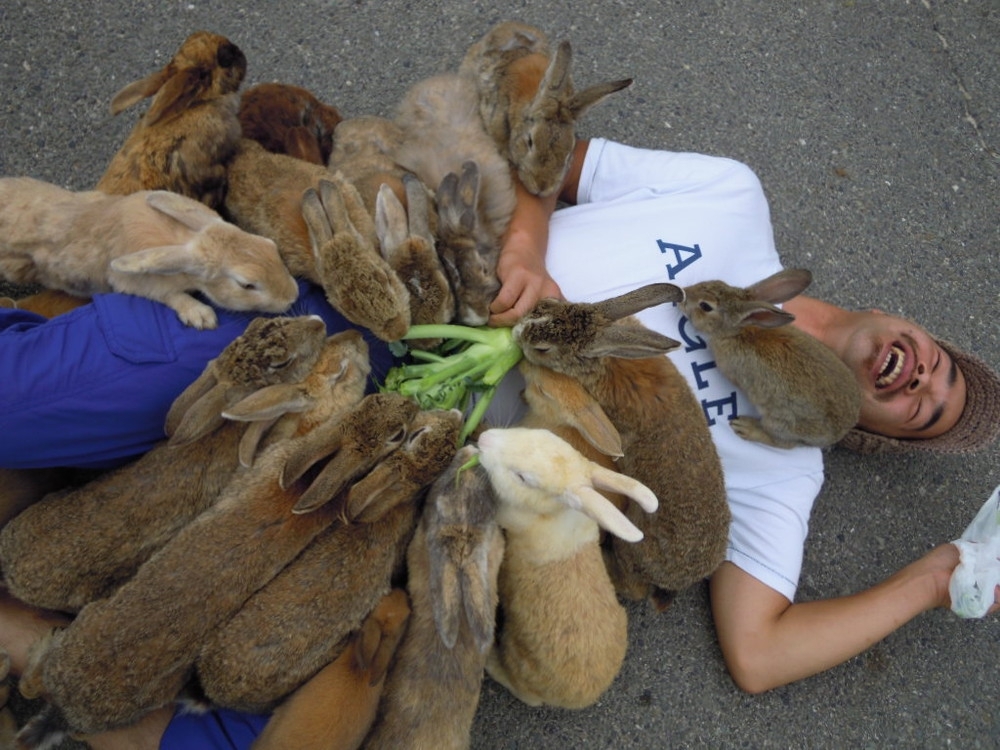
{"x":805,"y":394}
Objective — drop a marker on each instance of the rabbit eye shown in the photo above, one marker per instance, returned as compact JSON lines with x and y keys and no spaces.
{"x":399,"y":436}
{"x":226,"y":56}
{"x":705,"y":306}
{"x":282,"y":364}
{"x":249,"y":286}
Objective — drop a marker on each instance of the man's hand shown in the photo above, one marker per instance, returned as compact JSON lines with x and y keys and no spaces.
{"x":521,"y":270}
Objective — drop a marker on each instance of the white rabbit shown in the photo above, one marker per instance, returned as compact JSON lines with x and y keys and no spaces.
{"x":154,"y":244}
{"x":564,"y":633}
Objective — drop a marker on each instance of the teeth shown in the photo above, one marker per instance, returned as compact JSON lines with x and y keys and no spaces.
{"x":891,"y":367}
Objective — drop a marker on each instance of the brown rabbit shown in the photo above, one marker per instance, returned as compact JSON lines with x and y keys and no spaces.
{"x":190,"y":130}
{"x":299,"y":621}
{"x":335,"y":709}
{"x":432,"y":691}
{"x":528,"y":103}
{"x":155,"y":244}
{"x":364,"y":152}
{"x":290,"y":120}
{"x":358,"y":281}
{"x":75,"y":546}
{"x":134,"y":651}
{"x":564,"y":633}
{"x":805,"y":394}
{"x":665,"y":439}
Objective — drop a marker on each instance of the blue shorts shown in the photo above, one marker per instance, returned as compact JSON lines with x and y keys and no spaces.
{"x":218,"y":729}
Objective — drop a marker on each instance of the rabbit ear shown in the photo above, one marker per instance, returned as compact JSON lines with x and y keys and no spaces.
{"x":584,"y":100}
{"x":445,"y":590}
{"x":764,"y":315}
{"x":252,"y":435}
{"x":164,"y":260}
{"x":191,"y":213}
{"x":316,"y":221}
{"x":613,"y":481}
{"x":311,"y":449}
{"x":639,"y":299}
{"x":573,"y":403}
{"x":202,"y":385}
{"x":557,"y":79}
{"x":390,"y":221}
{"x":457,"y":196}
{"x":371,"y":496}
{"x":203,"y":416}
{"x":782,"y":286}
{"x":138,"y":90}
{"x":176,"y":94}
{"x":630,"y":342}
{"x":269,"y":403}
{"x":417,"y":205}
{"x":601,"y":510}
{"x":477,"y":594}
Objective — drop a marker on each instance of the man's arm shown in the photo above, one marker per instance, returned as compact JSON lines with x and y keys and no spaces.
{"x":521,"y":267}
{"x":767,"y":641}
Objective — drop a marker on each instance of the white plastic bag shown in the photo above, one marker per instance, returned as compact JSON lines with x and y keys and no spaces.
{"x":976,"y":576}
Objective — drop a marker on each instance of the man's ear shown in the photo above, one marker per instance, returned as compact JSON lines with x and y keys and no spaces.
{"x":878,"y":312}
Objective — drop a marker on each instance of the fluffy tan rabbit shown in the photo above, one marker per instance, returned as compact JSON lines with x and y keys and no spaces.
{"x":805,"y":394}
{"x":154,"y":244}
{"x":75,"y":546}
{"x":432,"y":691}
{"x":358,"y":281}
{"x":528,"y":103}
{"x":47,"y":302}
{"x":363,"y":151}
{"x":191,"y":128}
{"x":134,"y":651}
{"x":564,"y":634}
{"x":335,"y":709}
{"x":287,"y":119}
{"x":665,"y":439}
{"x":300,"y":620}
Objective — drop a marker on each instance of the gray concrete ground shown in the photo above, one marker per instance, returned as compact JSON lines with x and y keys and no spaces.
{"x":875,"y":128}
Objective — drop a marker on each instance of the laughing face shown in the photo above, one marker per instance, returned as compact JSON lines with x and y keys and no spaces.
{"x":911,"y":387}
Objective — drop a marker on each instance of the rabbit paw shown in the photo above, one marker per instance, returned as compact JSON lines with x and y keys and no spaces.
{"x":194,"y":313}
{"x":751,"y":429}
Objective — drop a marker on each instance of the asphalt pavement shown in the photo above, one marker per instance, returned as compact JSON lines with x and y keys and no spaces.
{"x":875,"y":129}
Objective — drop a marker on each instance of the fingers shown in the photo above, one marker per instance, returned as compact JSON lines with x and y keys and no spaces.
{"x":518,"y":295}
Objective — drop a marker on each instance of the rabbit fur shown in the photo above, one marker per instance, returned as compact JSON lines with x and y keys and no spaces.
{"x":363,"y":151}
{"x":432,"y":690}
{"x":48,"y":302}
{"x":335,"y":709}
{"x":357,"y":280}
{"x":155,"y":244}
{"x":287,"y":119}
{"x":191,"y":128}
{"x":564,"y":633}
{"x":300,"y":620}
{"x":528,"y":103}
{"x":665,"y":438}
{"x":134,"y":651}
{"x":805,"y":394}
{"x":132,"y":511}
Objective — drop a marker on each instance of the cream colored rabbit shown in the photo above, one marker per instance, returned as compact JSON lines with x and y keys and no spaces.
{"x":564,"y":634}
{"x":805,"y":394}
{"x":153,"y":244}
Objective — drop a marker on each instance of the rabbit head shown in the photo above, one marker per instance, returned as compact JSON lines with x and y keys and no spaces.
{"x":270,"y":350}
{"x":469,"y":255}
{"x":290,"y":120}
{"x":535,"y":472}
{"x":716,"y":308}
{"x":570,"y":337}
{"x":205,"y":67}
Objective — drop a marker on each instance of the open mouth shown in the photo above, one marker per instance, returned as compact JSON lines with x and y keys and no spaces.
{"x":892,"y":367}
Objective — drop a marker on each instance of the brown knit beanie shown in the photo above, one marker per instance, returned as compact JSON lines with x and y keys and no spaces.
{"x":976,"y":429}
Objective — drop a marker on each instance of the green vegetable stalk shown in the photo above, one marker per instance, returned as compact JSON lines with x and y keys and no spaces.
{"x":471,"y":360}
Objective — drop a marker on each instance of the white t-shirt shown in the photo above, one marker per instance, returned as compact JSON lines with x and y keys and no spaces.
{"x":650,"y":216}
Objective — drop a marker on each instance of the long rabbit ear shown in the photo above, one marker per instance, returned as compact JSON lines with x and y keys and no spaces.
{"x":556,"y":79}
{"x":573,"y":403}
{"x":445,"y":589}
{"x":639,"y":299}
{"x":601,"y":510}
{"x":584,"y":100}
{"x":192,"y":214}
{"x":204,"y":415}
{"x":138,"y":90}
{"x":177,"y":94}
{"x":164,"y":260}
{"x":252,"y":435}
{"x":477,"y":591}
{"x":390,"y":221}
{"x":764,"y":315}
{"x":369,"y":497}
{"x":613,"y":481}
{"x":418,"y":207}
{"x":316,"y":221}
{"x":630,"y":342}
{"x":269,"y":403}
{"x":311,"y":449}
{"x":201,"y":385}
{"x":782,"y":286}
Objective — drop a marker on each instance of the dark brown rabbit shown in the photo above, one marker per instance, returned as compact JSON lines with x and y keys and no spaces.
{"x":191,"y":128}
{"x":665,"y":438}
{"x":287,"y":119}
